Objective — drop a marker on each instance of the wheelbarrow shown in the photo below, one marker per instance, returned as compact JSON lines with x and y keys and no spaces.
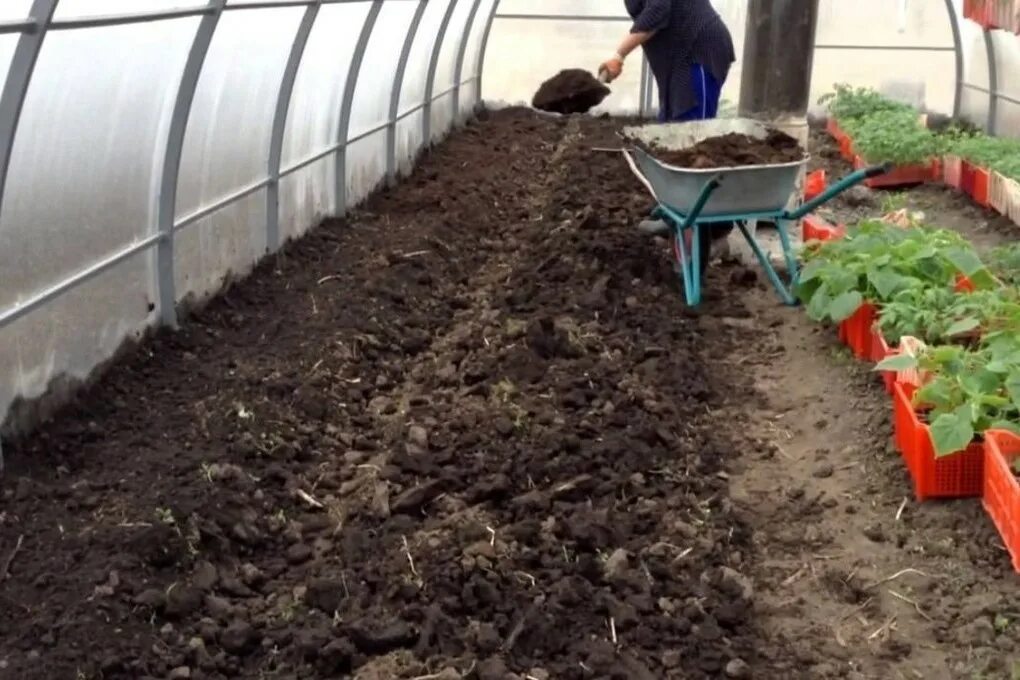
{"x":692,"y":202}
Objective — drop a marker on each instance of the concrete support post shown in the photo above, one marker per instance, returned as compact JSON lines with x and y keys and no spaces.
{"x":778,"y":61}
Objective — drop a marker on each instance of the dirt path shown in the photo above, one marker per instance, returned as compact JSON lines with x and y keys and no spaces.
{"x":858,"y":577}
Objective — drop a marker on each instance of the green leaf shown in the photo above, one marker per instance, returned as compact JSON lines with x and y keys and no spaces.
{"x":844,"y":306}
{"x":951,"y":433}
{"x":963,"y":326}
{"x":965,"y":260}
{"x":897,"y":362}
{"x":885,"y":282}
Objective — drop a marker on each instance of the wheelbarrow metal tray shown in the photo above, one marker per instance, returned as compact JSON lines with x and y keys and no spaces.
{"x":747,"y":190}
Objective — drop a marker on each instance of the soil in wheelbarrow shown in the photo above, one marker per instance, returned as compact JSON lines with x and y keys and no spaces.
{"x":734,"y":150}
{"x":463,"y":434}
{"x":570,"y":91}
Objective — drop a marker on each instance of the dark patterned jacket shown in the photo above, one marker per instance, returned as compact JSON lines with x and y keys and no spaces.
{"x":687,"y":32}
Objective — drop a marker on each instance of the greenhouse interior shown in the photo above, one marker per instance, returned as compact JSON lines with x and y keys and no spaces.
{"x":509,"y":339}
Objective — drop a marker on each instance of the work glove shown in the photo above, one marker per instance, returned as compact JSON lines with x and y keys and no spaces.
{"x":611,"y":69}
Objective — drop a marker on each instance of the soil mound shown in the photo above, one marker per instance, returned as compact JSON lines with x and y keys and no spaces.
{"x":734,"y":150}
{"x":570,"y":91}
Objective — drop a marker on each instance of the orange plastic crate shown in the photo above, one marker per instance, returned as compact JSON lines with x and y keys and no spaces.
{"x":982,"y":180}
{"x":880,"y":350}
{"x":815,"y":184}
{"x":952,"y":171}
{"x":1001,"y":497}
{"x":856,"y":331}
{"x":959,"y":475}
{"x":902,"y":175}
{"x":967,"y":171}
{"x":816,"y":228}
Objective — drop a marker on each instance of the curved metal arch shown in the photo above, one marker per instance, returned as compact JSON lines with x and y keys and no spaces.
{"x":283,"y":100}
{"x":19,"y":75}
{"x":397,"y":90}
{"x":993,"y":82}
{"x":166,"y":205}
{"x":430,"y":83}
{"x":458,"y":73}
{"x":347,"y":105}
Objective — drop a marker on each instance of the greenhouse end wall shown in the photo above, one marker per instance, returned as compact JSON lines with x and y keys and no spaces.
{"x":163,"y":148}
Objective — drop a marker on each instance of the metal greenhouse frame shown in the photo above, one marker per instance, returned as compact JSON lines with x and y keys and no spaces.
{"x":167,"y":220}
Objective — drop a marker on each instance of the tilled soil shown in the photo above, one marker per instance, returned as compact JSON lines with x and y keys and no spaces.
{"x":570,"y":91}
{"x":468,"y":432}
{"x":734,"y":150}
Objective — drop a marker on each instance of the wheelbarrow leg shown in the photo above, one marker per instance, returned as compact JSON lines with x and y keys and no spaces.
{"x":690,"y":267}
{"x":784,"y":291}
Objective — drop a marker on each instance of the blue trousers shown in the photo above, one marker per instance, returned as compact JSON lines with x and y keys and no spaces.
{"x":707,"y":90}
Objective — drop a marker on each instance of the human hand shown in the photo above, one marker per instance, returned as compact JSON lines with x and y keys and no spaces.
{"x":610,"y":70}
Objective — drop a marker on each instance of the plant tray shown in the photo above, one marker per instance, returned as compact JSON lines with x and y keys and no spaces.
{"x":952,"y":171}
{"x":881,"y":350}
{"x":967,"y":170}
{"x":959,"y":475}
{"x":856,"y":331}
{"x":999,"y":193}
{"x":815,"y":185}
{"x":816,"y":228}
{"x":842,"y":139}
{"x":901,"y":176}
{"x":981,"y":185}
{"x":1001,"y":497}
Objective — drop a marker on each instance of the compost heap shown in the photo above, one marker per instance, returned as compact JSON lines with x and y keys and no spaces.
{"x":733,"y":150}
{"x":570,"y":91}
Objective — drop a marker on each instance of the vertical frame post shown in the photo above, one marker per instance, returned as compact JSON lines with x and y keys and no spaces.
{"x":347,"y":105}
{"x":283,"y":99}
{"x":12,"y":101}
{"x":480,"y":66}
{"x":993,"y":82}
{"x":461,"y":52}
{"x":166,"y":205}
{"x":397,"y":90}
{"x":430,"y":83}
{"x":954,"y":24}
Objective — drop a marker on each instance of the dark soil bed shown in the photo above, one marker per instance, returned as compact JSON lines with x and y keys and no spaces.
{"x":466,"y":433}
{"x":734,"y":150}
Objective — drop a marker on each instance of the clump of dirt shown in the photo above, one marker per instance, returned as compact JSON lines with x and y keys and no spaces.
{"x":734,"y":150}
{"x":570,"y":91}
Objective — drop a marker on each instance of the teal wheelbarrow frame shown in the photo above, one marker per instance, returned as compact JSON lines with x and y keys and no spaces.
{"x":693,"y":201}
{"x":689,"y":229}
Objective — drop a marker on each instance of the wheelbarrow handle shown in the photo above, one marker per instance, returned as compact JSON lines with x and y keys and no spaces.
{"x":839,"y":187}
{"x":878,"y":170}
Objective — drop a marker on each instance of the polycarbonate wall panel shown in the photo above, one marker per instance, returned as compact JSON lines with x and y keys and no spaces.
{"x":90,"y":8}
{"x":306,"y":197}
{"x":1007,"y":57}
{"x":12,"y":10}
{"x":448,"y":53}
{"x":409,"y":141}
{"x":366,"y":158}
{"x":80,"y":136}
{"x":74,"y":333}
{"x":416,"y":76}
{"x":974,"y":104}
{"x":315,"y":105}
{"x":235,"y":102}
